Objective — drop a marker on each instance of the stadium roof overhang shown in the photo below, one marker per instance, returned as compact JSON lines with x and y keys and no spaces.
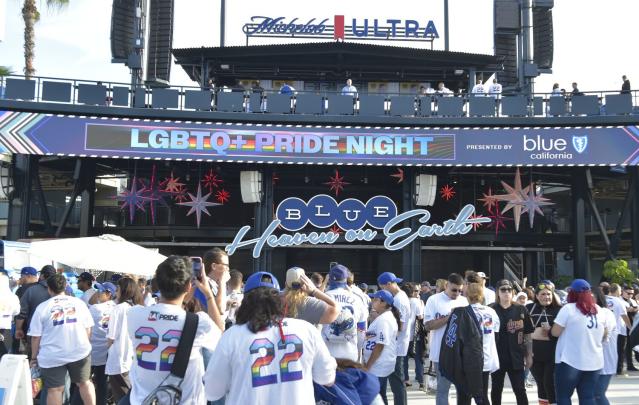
{"x":331,"y":61}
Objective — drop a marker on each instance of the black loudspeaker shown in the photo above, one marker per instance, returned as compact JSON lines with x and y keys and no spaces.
{"x":507,"y":16}
{"x":543,"y":40}
{"x":122,"y":34}
{"x":159,"y":42}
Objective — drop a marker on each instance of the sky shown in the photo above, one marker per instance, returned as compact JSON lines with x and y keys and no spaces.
{"x":593,"y":43}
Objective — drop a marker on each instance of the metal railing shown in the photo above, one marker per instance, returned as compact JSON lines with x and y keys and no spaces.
{"x":121,"y":95}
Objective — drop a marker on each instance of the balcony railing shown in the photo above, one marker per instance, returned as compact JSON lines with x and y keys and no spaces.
{"x":120,"y":95}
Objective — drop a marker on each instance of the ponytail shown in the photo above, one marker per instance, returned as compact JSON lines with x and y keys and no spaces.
{"x":397,"y":316}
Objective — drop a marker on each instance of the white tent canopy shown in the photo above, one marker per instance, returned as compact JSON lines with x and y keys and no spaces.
{"x":103,"y":253}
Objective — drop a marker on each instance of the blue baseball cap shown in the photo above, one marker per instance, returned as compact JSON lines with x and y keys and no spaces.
{"x":384,"y":296}
{"x":388,"y":277}
{"x":28,"y":271}
{"x":261,"y":279}
{"x":338,"y":274}
{"x":363,"y":286}
{"x":580,"y":285}
{"x":105,"y":287}
{"x":115,"y":278}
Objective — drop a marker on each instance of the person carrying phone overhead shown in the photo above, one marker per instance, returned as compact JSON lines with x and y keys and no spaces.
{"x":302,"y":300}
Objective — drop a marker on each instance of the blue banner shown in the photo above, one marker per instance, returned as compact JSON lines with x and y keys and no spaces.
{"x":43,"y":134}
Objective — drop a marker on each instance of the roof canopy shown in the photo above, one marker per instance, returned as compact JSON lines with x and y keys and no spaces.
{"x":330,"y":61}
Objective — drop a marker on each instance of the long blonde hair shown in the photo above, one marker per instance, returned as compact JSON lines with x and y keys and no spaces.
{"x":293,"y":300}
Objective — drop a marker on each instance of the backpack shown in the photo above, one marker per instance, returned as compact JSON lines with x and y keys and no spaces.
{"x":169,"y":391}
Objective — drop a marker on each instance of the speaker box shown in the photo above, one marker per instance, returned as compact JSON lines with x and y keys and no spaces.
{"x":425,"y":189}
{"x":251,"y":186}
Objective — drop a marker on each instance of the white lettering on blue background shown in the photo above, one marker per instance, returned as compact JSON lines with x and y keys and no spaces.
{"x":396,"y":235}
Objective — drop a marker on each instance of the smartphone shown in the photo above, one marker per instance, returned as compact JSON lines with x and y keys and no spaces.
{"x":196,"y":264}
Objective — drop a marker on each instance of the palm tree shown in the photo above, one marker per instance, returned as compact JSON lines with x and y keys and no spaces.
{"x":31,"y":15}
{"x":5,"y":71}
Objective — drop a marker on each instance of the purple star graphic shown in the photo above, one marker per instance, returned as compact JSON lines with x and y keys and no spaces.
{"x":532,"y":203}
{"x":155,"y":194}
{"x":199,"y":204}
{"x":134,"y":199}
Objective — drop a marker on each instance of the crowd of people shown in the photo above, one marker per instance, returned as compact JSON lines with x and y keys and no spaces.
{"x":198,"y":333}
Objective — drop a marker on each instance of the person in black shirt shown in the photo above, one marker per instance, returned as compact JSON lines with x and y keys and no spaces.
{"x":543,"y":311}
{"x":627,"y":294}
{"x":625,"y":87}
{"x":514,"y":344}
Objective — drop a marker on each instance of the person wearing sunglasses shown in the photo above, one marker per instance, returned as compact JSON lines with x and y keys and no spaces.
{"x":543,"y":311}
{"x":514,"y":344}
{"x":436,"y":314}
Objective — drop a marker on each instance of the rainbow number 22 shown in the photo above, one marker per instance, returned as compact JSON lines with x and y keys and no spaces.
{"x":165,"y":356}
{"x":266,"y":349}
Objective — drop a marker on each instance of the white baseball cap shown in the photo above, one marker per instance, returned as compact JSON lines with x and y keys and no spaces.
{"x":482,"y":274}
{"x":293,"y":276}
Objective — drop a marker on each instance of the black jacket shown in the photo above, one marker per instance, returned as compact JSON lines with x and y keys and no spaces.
{"x":461,"y":358}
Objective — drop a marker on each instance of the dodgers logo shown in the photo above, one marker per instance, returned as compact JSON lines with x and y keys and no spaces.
{"x":580,"y":143}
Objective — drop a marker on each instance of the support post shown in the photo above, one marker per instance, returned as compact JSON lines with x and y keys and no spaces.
{"x":634,"y":212}
{"x":578,"y":195}
{"x":77,"y":187}
{"x":446,"y":27}
{"x":263,"y":217}
{"x":222,"y":22}
{"x":628,"y":203}
{"x":411,"y":254}
{"x":19,"y":203}
{"x":88,"y":197}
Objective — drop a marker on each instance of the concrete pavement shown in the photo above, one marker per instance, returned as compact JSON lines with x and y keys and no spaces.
{"x":623,"y":390}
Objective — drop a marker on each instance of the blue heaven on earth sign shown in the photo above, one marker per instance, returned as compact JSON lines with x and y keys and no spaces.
{"x":361,"y":221}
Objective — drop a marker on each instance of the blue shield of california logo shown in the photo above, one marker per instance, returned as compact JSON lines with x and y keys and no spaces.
{"x":580,"y":143}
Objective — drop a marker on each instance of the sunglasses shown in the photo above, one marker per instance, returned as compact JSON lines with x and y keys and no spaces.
{"x":544,"y":287}
{"x":505,"y":289}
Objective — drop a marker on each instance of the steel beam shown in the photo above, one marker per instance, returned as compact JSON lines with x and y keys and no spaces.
{"x":578,"y":194}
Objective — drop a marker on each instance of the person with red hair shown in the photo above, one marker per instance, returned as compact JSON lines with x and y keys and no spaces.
{"x":581,"y":328}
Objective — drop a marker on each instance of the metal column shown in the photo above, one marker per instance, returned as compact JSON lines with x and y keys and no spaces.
{"x":578,"y":195}
{"x":20,"y":200}
{"x":88,"y":197}
{"x":634,"y":212}
{"x":411,"y":254}
{"x":263,"y":217}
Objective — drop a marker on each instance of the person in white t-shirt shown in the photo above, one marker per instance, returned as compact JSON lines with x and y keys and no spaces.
{"x":155,"y":332}
{"x":60,"y":330}
{"x":495,"y":90}
{"x":266,"y":358}
{"x":609,"y":350}
{"x":619,"y":307}
{"x":380,"y":349}
{"x":345,"y":336}
{"x":9,"y":307}
{"x":489,"y":295}
{"x":489,"y":324}
{"x":436,"y":314}
{"x":581,"y":327}
{"x":235,"y":296}
{"x":478,"y":89}
{"x":120,"y":355}
{"x":101,"y":314}
{"x":389,"y":282}
{"x":349,"y":89}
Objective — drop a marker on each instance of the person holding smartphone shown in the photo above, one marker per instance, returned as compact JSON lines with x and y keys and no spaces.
{"x":543,"y":312}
